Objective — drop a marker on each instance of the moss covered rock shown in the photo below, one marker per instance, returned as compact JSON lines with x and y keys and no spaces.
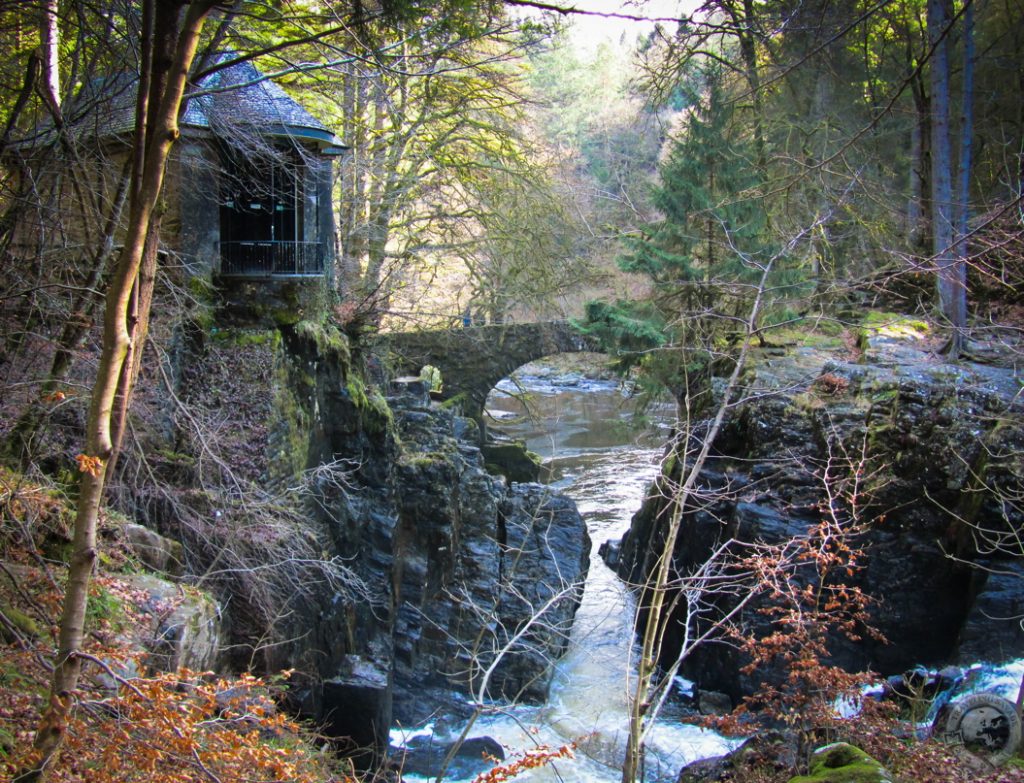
{"x":513,"y":461}
{"x":843,"y":763}
{"x":20,"y":623}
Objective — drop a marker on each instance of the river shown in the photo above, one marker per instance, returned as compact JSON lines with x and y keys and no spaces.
{"x":584,"y":431}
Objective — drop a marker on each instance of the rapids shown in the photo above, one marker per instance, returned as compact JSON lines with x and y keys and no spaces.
{"x":592,"y":451}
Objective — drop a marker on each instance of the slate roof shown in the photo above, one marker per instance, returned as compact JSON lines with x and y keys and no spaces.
{"x":241,"y":96}
{"x":236,"y":99}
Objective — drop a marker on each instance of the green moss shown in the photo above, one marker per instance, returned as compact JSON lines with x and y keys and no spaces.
{"x":807,"y":401}
{"x":202,"y":289}
{"x":204,"y":319}
{"x":821,"y":335}
{"x":356,"y":389}
{"x":104,"y":608}
{"x":327,"y":338}
{"x":291,"y":429}
{"x":240,"y":338}
{"x":204,"y":294}
{"x":176,"y":457}
{"x":880,"y":318}
{"x":818,"y":340}
{"x":25,"y":624}
{"x":843,"y":763}
{"x":893,"y":325}
{"x":379,"y":411}
{"x":885,"y":396}
{"x":454,"y":401}
{"x":669,"y":464}
{"x":829,"y":327}
{"x":424,"y":460}
{"x":285,"y":316}
{"x":375,"y":414}
{"x":512,"y":460}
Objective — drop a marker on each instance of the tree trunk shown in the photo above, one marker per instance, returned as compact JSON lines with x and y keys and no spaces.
{"x":943,"y":257}
{"x":353,"y":183}
{"x":169,"y":45}
{"x":919,"y":210}
{"x":748,"y":47}
{"x":50,"y":35}
{"x":138,"y":324}
{"x":963,"y":194}
{"x":378,"y":209}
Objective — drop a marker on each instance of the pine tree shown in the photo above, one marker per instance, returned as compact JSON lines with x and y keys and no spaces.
{"x":701,"y":257}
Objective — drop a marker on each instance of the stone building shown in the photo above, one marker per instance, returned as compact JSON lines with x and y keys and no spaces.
{"x":247,"y":192}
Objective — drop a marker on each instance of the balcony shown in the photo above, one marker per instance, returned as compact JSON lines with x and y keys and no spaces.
{"x":271,"y":259}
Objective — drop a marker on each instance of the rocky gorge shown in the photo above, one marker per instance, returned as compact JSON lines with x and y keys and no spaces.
{"x":451,"y":579}
{"x":930,"y":456}
{"x":391,"y":564}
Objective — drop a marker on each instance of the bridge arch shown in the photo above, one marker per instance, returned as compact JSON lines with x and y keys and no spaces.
{"x":474,"y":359}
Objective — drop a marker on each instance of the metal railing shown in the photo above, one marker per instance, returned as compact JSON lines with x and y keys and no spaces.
{"x":272,"y":259}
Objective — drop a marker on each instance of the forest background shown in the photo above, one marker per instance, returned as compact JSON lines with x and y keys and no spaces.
{"x":813,"y":155}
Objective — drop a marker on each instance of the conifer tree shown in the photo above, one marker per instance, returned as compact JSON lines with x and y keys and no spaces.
{"x":701,"y":258}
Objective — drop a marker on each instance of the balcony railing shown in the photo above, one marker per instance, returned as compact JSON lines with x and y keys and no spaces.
{"x":271,"y":259}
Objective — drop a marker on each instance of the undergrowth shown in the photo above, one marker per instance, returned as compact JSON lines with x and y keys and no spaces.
{"x":124,"y":722}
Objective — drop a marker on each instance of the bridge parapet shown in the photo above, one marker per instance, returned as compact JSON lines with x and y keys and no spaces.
{"x":472,"y":360}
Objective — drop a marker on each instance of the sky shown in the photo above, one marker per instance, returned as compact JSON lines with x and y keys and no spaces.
{"x":589,"y":31}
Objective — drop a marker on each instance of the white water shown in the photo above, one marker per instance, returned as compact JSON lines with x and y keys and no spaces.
{"x":591,"y":454}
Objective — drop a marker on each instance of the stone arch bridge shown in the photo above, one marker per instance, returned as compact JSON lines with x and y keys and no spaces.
{"x":472,"y":360}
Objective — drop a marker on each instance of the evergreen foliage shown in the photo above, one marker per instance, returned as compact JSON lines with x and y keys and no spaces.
{"x":702,"y":259}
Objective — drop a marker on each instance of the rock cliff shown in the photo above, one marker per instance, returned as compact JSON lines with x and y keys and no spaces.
{"x":451,"y":580}
{"x":940,"y":450}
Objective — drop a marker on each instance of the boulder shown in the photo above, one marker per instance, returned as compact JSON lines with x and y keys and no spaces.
{"x":154,"y":550}
{"x":713,"y":703}
{"x":185,"y":628}
{"x":843,"y":763}
{"x":426,"y":756}
{"x":512,"y":460}
{"x":767,"y":751}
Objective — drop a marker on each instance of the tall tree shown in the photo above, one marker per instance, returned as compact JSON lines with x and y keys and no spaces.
{"x":435,"y":118}
{"x":701,"y":258}
{"x":170,"y":37}
{"x":950,"y":270}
